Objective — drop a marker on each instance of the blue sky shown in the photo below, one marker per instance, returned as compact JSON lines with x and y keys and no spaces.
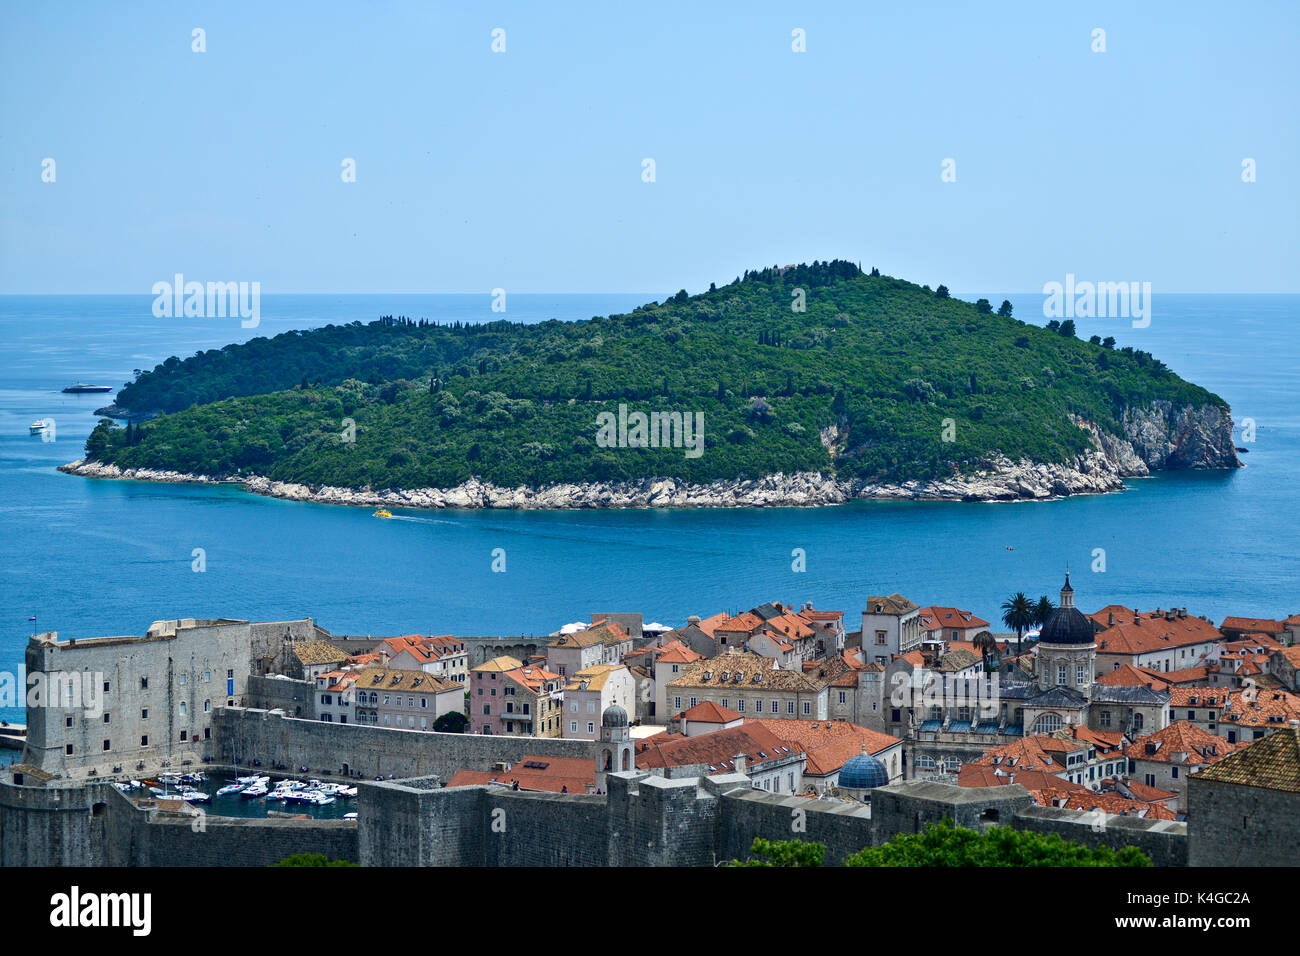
{"x":523,"y":169}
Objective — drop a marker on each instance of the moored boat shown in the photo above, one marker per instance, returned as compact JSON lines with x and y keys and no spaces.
{"x":80,"y":388}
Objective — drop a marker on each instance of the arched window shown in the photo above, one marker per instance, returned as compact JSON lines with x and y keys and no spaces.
{"x":1048,"y":724}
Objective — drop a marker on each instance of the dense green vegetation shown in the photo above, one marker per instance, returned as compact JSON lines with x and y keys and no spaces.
{"x":883,"y":361}
{"x":312,"y":859}
{"x":943,"y":844}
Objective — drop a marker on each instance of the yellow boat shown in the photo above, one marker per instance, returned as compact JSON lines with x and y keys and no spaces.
{"x":382,"y":513}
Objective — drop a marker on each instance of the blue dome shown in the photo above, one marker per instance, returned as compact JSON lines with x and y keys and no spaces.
{"x":863,"y":772}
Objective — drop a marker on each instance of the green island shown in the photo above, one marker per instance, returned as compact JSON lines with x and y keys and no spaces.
{"x":875,"y":379}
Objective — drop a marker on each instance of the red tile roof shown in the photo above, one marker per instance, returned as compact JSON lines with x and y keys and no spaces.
{"x":716,"y":750}
{"x":535,"y":772}
{"x":1183,"y":743}
{"x":707,"y":712}
{"x":675,"y":652}
{"x":937,"y":617}
{"x":827,"y":744}
{"x":1151,"y":632}
{"x":1126,"y":675}
{"x":1259,"y":625}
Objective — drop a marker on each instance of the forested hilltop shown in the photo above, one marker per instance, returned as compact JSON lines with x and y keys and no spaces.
{"x":857,"y":385}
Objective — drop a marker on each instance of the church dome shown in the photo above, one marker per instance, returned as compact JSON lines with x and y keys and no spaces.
{"x":863,"y":772}
{"x":1066,"y":625}
{"x":614,"y":716}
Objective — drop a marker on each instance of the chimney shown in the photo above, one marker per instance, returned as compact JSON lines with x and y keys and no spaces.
{"x":739,"y":761}
{"x":693,"y":619}
{"x":1111,"y":622}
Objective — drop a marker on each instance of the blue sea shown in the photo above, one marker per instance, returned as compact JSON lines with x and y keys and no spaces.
{"x":88,"y":557}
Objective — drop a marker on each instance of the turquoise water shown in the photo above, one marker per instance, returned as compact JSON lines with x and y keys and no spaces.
{"x":93,"y":557}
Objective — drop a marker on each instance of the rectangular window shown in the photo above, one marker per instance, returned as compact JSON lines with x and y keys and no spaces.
{"x":183,"y":679}
{"x":67,"y":721}
{"x":573,"y":726}
{"x":144,"y":683}
{"x":185,"y":736}
{"x":842,"y":696}
{"x":591,"y":728}
{"x":207,"y":676}
{"x":789,"y":707}
{"x":107,"y":745}
{"x":677,"y":704}
{"x":776,"y":706}
{"x":807,"y":708}
{"x":144,"y":740}
{"x":740,"y":705}
{"x":106,"y":720}
{"x":692,"y":701}
{"x":725,"y":702}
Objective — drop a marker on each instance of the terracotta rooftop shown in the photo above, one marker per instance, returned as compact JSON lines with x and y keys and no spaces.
{"x":535,"y":772}
{"x":1261,"y":708}
{"x":707,"y":712}
{"x":716,"y":750}
{"x":1259,"y":625}
{"x":826,"y":743}
{"x":1182,"y":743}
{"x":935,"y":617}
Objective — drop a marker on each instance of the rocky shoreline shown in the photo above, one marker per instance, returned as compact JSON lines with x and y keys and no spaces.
{"x":1025,"y":481}
{"x":1157,"y":437}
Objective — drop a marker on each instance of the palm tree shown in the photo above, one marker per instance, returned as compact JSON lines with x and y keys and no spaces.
{"x":985,"y":644}
{"x":1018,"y":614}
{"x":1042,"y":611}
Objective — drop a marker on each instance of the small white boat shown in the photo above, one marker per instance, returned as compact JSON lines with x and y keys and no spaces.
{"x":39,"y":426}
{"x":230,"y":788}
{"x":195,"y":796}
{"x":254,"y":791}
{"x":349,"y":816}
{"x":255,"y":778}
{"x":123,"y":787}
{"x":348,"y":792}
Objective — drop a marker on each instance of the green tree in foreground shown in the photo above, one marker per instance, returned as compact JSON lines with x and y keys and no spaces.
{"x":312,"y":859}
{"x":452,"y":722}
{"x":784,"y":853}
{"x":943,"y":844}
